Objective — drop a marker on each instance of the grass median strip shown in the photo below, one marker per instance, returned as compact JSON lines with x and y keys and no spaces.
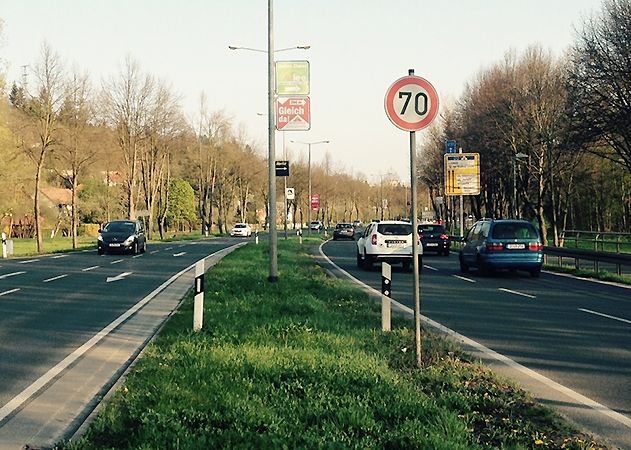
{"x":302,"y":363}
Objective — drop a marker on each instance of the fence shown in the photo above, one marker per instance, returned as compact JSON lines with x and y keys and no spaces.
{"x":597,"y":240}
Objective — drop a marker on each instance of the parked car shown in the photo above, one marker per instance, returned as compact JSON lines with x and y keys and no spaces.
{"x":122,"y":236}
{"x":502,"y":244}
{"x":316,"y":225}
{"x":434,"y":238}
{"x":387,"y":240}
{"x":241,"y":229}
{"x":343,"y":230}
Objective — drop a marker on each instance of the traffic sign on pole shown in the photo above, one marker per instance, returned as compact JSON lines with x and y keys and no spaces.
{"x":293,"y":113}
{"x":411,"y":103}
{"x":462,"y":174}
{"x":315,"y":202}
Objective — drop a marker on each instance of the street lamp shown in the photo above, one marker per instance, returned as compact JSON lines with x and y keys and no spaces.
{"x":519,"y":155}
{"x":273,"y":239}
{"x":309,"y":176}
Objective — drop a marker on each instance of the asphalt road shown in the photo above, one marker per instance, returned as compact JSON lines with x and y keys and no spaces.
{"x":51,"y":305}
{"x":574,"y":332}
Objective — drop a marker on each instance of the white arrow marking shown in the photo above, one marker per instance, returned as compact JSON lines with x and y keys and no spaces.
{"x":179,"y":254}
{"x":118,"y":277}
{"x":2,"y":277}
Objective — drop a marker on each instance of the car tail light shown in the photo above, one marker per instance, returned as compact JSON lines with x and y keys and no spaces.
{"x":373,"y":239}
{"x":420,"y":236}
{"x":444,"y":236}
{"x":495,"y":247}
{"x":535,"y":246}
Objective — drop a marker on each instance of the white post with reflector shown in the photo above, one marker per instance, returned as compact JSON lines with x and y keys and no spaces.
{"x":198,"y":308}
{"x":4,"y":245}
{"x":386,"y":293}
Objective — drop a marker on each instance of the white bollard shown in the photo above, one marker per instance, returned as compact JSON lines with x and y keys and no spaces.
{"x":198,"y":308}
{"x":4,"y":245}
{"x":256,"y":237}
{"x":386,"y":293}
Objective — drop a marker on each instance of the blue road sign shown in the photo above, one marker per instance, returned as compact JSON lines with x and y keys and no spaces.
{"x":450,"y":146}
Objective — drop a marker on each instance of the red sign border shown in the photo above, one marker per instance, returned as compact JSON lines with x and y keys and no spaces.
{"x":389,"y":103}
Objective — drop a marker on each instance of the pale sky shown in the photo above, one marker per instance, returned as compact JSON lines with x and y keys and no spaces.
{"x":358,"y":49}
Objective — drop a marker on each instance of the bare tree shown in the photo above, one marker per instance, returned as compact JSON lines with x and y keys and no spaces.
{"x":126,"y":102}
{"x":600,"y":85}
{"x":44,"y":111}
{"x":76,"y":150}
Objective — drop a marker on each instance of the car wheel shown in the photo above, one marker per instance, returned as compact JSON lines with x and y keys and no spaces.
{"x":407,"y":266}
{"x":483,"y":268}
{"x":464,"y":268}
{"x":134,"y":249}
{"x":144,"y":247}
{"x":535,"y":273}
{"x":446,"y":253}
{"x":420,"y":263}
{"x":100,"y":251}
{"x":367,"y":262}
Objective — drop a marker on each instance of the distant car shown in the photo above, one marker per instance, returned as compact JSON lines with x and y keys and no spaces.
{"x":388,"y":240}
{"x":434,"y":238}
{"x":502,"y":244}
{"x":357,"y":224}
{"x":122,"y":236}
{"x":241,"y":229}
{"x":316,"y":225}
{"x":343,"y":230}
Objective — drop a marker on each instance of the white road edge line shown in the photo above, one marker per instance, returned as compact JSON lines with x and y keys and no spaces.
{"x":589,"y":311}
{"x":7,"y":293}
{"x":464,"y":278}
{"x":42,"y":381}
{"x":624,"y":420}
{"x":516,"y":293}
{"x":55,"y":278}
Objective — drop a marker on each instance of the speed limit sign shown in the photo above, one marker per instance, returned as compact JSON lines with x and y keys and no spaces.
{"x":411,"y":103}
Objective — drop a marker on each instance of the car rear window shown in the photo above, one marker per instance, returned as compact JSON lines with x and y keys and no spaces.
{"x":394,"y":229}
{"x":431,"y":229}
{"x":514,"y":231}
{"x":344,"y":225}
{"x":240,"y":225}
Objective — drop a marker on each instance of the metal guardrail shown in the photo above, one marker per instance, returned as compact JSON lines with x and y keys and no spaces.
{"x":621,"y":261}
{"x":598,"y":239}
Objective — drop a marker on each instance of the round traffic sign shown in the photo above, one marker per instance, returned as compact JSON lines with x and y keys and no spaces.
{"x":411,"y":103}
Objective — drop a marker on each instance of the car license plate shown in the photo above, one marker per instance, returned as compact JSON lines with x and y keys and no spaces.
{"x":432,"y":244}
{"x":115,"y":245}
{"x":395,"y":243}
{"x":515,"y":246}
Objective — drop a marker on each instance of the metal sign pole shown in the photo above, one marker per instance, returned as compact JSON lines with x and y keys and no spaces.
{"x":417,"y":268}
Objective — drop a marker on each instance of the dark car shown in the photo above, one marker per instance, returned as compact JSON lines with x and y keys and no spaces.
{"x":502,"y":244}
{"x":344,"y":230}
{"x":122,"y":236}
{"x":434,"y":238}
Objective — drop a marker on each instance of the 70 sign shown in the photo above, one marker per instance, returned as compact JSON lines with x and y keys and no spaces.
{"x":411,"y":103}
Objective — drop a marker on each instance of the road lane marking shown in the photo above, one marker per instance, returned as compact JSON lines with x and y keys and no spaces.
{"x":116,"y":261}
{"x":12,"y":274}
{"x":42,"y":381}
{"x":58,"y":256}
{"x":492,"y":354}
{"x":28,"y":261}
{"x":619,"y":319}
{"x":87,"y":269}
{"x":168,"y":248}
{"x":464,"y":278}
{"x":118,"y":277}
{"x":179,"y":254}
{"x":155,"y":251}
{"x":430,"y":267}
{"x":136,"y":256}
{"x":55,"y":278}
{"x":9,"y":292}
{"x":517,"y":293}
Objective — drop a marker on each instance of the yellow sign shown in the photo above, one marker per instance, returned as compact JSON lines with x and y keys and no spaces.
{"x":462,"y":174}
{"x":292,"y":77}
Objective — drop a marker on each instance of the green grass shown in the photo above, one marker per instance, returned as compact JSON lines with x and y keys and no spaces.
{"x":302,"y":363}
{"x":28,"y":247}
